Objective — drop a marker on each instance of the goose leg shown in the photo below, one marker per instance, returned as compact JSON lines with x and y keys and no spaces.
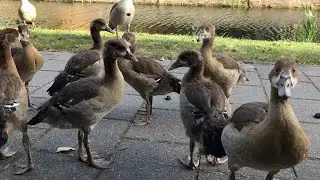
{"x":33,"y":25}
{"x":128,"y":27}
{"x":233,"y":168}
{"x":150,"y":100}
{"x":83,"y":157}
{"x":271,"y":175}
{"x":29,"y":103}
{"x":147,"y":120}
{"x":184,"y":162}
{"x":20,"y":169}
{"x":117,"y":27}
{"x":80,"y":148}
{"x":197,"y":168}
{"x":100,"y":164}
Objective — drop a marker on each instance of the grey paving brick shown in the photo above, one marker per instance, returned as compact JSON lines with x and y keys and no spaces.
{"x":52,"y":65}
{"x":165,"y":126}
{"x":247,"y":94}
{"x":127,"y":108}
{"x":311,"y":70}
{"x":316,"y":80}
{"x":43,"y":77}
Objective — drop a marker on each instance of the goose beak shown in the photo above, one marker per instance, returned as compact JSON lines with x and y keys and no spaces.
{"x":130,"y":56}
{"x":107,"y":28}
{"x":285,"y":87}
{"x":175,"y":65}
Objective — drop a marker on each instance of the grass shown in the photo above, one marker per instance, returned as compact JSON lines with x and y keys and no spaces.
{"x":169,"y":46}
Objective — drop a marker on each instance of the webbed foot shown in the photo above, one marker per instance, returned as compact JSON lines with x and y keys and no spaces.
{"x":100,"y":164}
{"x":21,"y":169}
{"x":187,"y":163}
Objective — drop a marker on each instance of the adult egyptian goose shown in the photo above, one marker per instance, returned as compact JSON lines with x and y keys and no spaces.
{"x":83,"y":103}
{"x":255,"y":126}
{"x":226,"y":72}
{"x":27,"y":59}
{"x":27,"y":12}
{"x":202,"y":103}
{"x":83,"y":64}
{"x":147,"y":77}
{"x":121,"y":13}
{"x":13,"y":94}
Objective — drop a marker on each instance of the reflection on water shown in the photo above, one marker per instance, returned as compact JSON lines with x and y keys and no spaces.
{"x":269,"y":24}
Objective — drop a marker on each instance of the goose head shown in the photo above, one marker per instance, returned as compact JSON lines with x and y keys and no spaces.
{"x":100,"y":25}
{"x":206,"y":31}
{"x":130,"y":39}
{"x":186,"y":59}
{"x":118,"y":49}
{"x":24,"y":32}
{"x":284,"y":77}
{"x":10,"y":35}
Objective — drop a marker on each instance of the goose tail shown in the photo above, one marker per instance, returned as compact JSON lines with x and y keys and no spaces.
{"x":211,"y":135}
{"x":42,"y":114}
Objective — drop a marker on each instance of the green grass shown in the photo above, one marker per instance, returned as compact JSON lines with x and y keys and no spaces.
{"x":169,"y":46}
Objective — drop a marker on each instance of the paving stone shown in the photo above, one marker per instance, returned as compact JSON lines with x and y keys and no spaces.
{"x":165,"y":126}
{"x":129,"y":90}
{"x":302,"y":90}
{"x":56,"y":138}
{"x":64,"y":56}
{"x":159,"y":102}
{"x":53,"y":66}
{"x":312,"y":130}
{"x":305,"y":109}
{"x":247,"y":94}
{"x":253,"y":79}
{"x":42,"y":92}
{"x":311,"y":70}
{"x":15,"y":139}
{"x":43,"y":77}
{"x":49,"y":55}
{"x":147,"y":160}
{"x":316,"y":80}
{"x":165,"y":63}
{"x":264,"y":70}
{"x":33,"y":88}
{"x":247,"y":67}
{"x":54,"y":166}
{"x":38,"y":101}
{"x":127,"y":108}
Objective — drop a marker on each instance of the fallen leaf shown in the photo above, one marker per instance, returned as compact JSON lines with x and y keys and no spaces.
{"x":65,"y":149}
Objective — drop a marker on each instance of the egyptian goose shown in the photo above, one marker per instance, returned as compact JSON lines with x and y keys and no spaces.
{"x":27,"y":12}
{"x":202,"y":104}
{"x":27,"y":59}
{"x":147,"y":77}
{"x":121,"y":13}
{"x":255,"y":126}
{"x":226,"y":72}
{"x":82,"y":104}
{"x":83,"y":64}
{"x":13,"y":94}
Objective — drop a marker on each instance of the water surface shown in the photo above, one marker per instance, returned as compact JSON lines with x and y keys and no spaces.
{"x":268,"y":24}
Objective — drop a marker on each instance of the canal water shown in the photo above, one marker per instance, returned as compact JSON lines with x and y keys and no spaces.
{"x":265,"y":24}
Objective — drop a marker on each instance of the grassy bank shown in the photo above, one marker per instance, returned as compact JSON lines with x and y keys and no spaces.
{"x":169,"y":46}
